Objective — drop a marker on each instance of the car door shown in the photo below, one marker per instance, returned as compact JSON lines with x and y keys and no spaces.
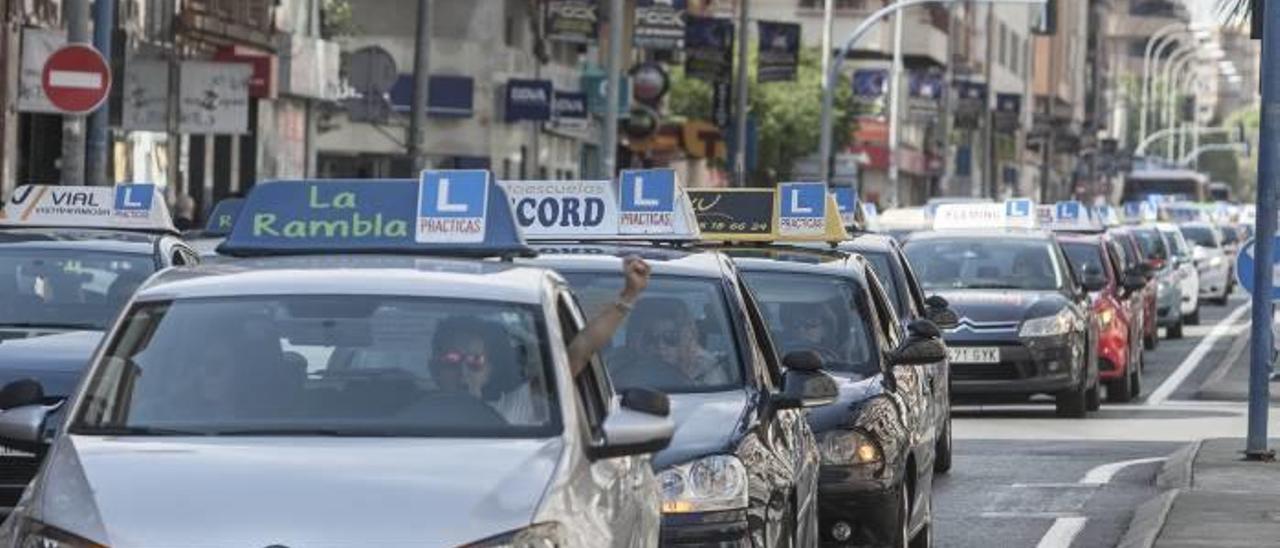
{"x":615,"y":491}
{"x":1132,"y":309}
{"x":939,"y":381}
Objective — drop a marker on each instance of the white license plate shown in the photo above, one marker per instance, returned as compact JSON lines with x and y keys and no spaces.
{"x":974,"y":354}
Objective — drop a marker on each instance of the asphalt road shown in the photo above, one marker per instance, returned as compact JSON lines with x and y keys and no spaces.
{"x":1023,"y":477}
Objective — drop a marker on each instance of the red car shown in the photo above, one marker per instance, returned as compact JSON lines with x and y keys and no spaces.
{"x":1133,"y":260}
{"x":1120,"y":318}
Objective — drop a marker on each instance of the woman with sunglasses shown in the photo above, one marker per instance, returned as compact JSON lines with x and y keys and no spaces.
{"x":663,"y":351}
{"x":461,"y":358}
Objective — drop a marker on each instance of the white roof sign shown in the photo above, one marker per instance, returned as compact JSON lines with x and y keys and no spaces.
{"x":601,"y":210}
{"x":1018,"y":213}
{"x":124,"y":207}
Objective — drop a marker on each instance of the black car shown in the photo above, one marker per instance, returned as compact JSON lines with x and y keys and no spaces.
{"x":697,"y":334}
{"x":61,"y":288}
{"x":878,"y":440}
{"x":1025,"y":325}
{"x":886,"y":258}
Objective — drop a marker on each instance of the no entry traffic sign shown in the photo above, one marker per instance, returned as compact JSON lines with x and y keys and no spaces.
{"x":76,"y":79}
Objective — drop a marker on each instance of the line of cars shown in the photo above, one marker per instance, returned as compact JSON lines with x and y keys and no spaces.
{"x":413,"y":348}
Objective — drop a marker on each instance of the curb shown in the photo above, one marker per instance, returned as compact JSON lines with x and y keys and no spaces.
{"x":1177,"y":470}
{"x":1148,"y":520}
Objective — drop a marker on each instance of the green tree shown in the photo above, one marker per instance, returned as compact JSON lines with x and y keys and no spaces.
{"x":788,"y":114}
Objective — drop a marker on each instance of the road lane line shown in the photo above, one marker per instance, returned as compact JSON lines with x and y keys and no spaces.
{"x":1103,"y":474}
{"x":1062,"y":532}
{"x":1171,"y":384}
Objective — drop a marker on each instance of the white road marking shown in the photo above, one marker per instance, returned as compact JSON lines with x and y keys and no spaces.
{"x":1065,"y":527}
{"x":75,"y":79}
{"x":1062,"y":532}
{"x":1171,"y":384}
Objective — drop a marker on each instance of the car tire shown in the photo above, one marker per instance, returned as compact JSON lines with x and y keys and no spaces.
{"x":1150,"y":342}
{"x":1071,"y":404}
{"x":1136,"y":384}
{"x":924,"y":537}
{"x":942,"y":460}
{"x":1121,"y":390}
{"x":1194,"y":317}
{"x":902,"y":529}
{"x":1093,"y":397}
{"x":1222,"y":301}
{"x":1174,"y":331}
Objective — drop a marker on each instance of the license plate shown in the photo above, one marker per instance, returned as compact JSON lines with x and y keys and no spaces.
{"x":974,"y":354}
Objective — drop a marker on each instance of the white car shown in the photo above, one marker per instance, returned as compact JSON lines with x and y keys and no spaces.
{"x":1185,"y":273}
{"x":1211,"y":260}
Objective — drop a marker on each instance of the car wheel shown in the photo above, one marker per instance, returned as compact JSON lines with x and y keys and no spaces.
{"x":1093,"y":397}
{"x":1136,"y":384}
{"x":1121,"y":390}
{"x":942,"y":461}
{"x":1222,"y":301}
{"x":902,"y":529}
{"x":924,"y":538}
{"x":1072,"y":404}
{"x":1174,"y":331}
{"x":1194,"y":317}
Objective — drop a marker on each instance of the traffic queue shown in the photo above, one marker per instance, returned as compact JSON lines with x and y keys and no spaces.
{"x":456,"y":360}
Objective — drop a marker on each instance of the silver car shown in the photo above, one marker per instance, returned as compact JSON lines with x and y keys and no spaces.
{"x":1211,"y":260}
{"x":1186,"y":277}
{"x":363,"y":400}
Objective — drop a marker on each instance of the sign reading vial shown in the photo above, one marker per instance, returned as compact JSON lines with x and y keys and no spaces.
{"x":648,"y":204}
{"x":802,"y":209}
{"x":452,"y":206}
{"x":1244,"y":268}
{"x":125,"y":207}
{"x":564,"y":208}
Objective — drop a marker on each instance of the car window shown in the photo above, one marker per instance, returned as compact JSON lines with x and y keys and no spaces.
{"x":71,"y":289}
{"x":1202,"y":236}
{"x":677,"y":339}
{"x":984,"y":263}
{"x":1230,"y":236}
{"x":342,"y":364}
{"x":889,"y":326}
{"x":1151,"y":243}
{"x":589,"y":383}
{"x":819,"y":313}
{"x":884,"y":271}
{"x":1082,"y":255}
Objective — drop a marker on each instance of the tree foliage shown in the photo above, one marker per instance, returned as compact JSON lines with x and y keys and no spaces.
{"x":787,"y":114}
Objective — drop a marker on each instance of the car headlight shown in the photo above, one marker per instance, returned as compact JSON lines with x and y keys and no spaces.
{"x":849,"y":447}
{"x":1106,"y":316}
{"x":33,"y":534}
{"x":718,"y":482}
{"x":1215,"y":262}
{"x":1048,"y":326}
{"x":542,"y":535}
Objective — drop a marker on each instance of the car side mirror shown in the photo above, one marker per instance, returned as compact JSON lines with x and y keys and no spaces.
{"x":804,"y":384}
{"x":938,"y":311}
{"x":1133,"y":282}
{"x":1092,"y":281}
{"x":923,"y":345}
{"x":639,"y":425}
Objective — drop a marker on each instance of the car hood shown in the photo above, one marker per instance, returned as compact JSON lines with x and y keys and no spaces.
{"x":1002,"y":308}
{"x":57,"y":361}
{"x":706,"y":424}
{"x":855,"y":393}
{"x":126,"y":492}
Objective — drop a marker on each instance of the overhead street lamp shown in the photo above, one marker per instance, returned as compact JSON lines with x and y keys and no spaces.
{"x":825,"y":142}
{"x":1159,"y":38}
{"x":1174,"y":84}
{"x":1194,"y":155}
{"x":1141,"y":150}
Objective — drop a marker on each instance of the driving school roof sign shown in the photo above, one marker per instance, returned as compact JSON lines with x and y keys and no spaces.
{"x":759,"y":215}
{"x":592,"y":210}
{"x":802,"y":209}
{"x":445,"y":212}
{"x":648,"y":202}
{"x":1016,"y":213}
{"x":124,"y":207}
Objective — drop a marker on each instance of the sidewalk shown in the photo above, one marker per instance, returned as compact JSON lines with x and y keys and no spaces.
{"x":1211,"y":498}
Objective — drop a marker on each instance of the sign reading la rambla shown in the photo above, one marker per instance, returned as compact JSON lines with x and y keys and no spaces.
{"x":332,"y":212}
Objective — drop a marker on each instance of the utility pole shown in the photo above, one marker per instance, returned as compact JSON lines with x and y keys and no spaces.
{"x":609,"y":156}
{"x":988,"y":137}
{"x":421,"y":81}
{"x":741,"y":89}
{"x":895,"y":106}
{"x":76,"y":14}
{"x":1260,"y":348}
{"x":104,"y":24}
{"x":948,"y":99}
{"x":828,"y":25}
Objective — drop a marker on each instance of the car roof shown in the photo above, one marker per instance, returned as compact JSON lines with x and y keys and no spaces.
{"x":117,"y":241}
{"x":787,"y":258}
{"x":678,"y":261}
{"x":488,"y":280}
{"x":869,"y":242}
{"x":1080,"y":237}
{"x":1002,"y":233}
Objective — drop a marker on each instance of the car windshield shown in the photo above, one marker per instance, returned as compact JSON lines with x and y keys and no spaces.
{"x":1200,"y":235}
{"x":677,"y":339}
{"x":1082,"y":256}
{"x":818,"y":313}
{"x":984,"y":263}
{"x":1151,"y":243}
{"x":69,"y":289}
{"x":325,"y":365}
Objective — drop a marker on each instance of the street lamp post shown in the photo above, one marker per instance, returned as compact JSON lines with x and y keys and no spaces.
{"x":1141,"y":149}
{"x":1173,"y":83}
{"x":825,"y":142}
{"x":1159,"y":63}
{"x":1158,"y":38}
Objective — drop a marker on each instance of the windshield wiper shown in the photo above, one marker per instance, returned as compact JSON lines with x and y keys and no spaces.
{"x":136,"y":431}
{"x":48,"y":325}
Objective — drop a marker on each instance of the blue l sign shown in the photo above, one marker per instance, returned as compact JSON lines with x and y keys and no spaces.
{"x":647,"y":201}
{"x":1068,"y":211}
{"x":134,"y":197}
{"x":1244,"y":269}
{"x":452,"y":206}
{"x":1019,"y":208}
{"x":802,"y":209}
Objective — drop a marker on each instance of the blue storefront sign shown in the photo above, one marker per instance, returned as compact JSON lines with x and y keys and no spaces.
{"x":570,"y":108}
{"x":528,"y":100}
{"x":448,"y":96}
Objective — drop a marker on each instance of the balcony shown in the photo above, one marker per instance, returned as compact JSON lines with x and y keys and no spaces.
{"x":925,"y":37}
